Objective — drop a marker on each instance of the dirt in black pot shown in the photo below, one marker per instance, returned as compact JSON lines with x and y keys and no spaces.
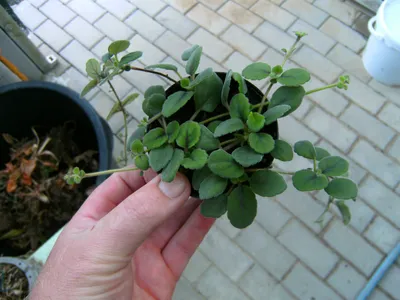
{"x":13,"y":283}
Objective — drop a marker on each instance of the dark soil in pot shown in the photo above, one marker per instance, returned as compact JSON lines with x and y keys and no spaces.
{"x":13,"y":284}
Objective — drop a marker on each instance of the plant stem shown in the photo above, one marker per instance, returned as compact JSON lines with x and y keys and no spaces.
{"x":315,"y":164}
{"x":178,"y":74}
{"x":262,"y":169}
{"x":214,"y":118}
{"x":125,"y":121}
{"x":154,"y":118}
{"x":284,"y":173}
{"x":195,"y":115}
{"x":290,"y":52}
{"x":95,"y":174}
{"x":264,"y":98}
{"x":330,"y":86}
{"x":228,"y":142}
{"x":163,"y":123}
{"x":154,"y":72}
{"x":230,"y":146}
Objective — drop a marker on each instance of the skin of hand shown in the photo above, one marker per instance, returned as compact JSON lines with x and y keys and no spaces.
{"x":131,"y":239}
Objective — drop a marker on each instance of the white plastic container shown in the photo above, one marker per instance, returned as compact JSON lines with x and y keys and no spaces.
{"x":382,"y":54}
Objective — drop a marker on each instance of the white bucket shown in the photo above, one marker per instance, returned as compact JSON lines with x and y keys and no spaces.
{"x":382,"y":54}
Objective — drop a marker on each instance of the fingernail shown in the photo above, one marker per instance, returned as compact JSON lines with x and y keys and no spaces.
{"x":175,"y":188}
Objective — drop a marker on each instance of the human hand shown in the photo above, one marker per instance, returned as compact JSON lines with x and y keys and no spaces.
{"x":131,"y":239}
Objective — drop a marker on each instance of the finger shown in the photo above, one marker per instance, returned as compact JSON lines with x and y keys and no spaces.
{"x":127,"y":226}
{"x":181,"y":247}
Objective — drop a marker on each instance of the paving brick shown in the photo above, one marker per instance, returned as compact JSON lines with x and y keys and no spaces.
{"x":317,"y":64}
{"x":237,"y":62}
{"x":273,"y":13}
{"x":34,"y":39}
{"x":395,"y":149}
{"x":361,"y":24}
{"x":170,"y":60}
{"x":353,"y":247}
{"x":57,"y":12}
{"x":206,"y":18}
{"x":240,"y":16}
{"x":176,"y":22}
{"x":347,"y":281}
{"x":266,"y":250}
{"x":113,"y":28}
{"x":368,"y":126}
{"x":246,"y":3}
{"x":226,"y":227}
{"x":328,"y":126}
{"x":172,"y":44}
{"x":182,"y":6}
{"x":302,"y":283}
{"x":212,"y":46}
{"x":390,"y":92}
{"x":390,"y":114}
{"x":151,"y":54}
{"x":214,"y":286}
{"x":197,"y":265}
{"x":305,"y":107}
{"x":225,"y":254}
{"x":119,"y":8}
{"x":150,"y":7}
{"x":141,"y":80}
{"x":306,"y":11}
{"x":36,"y":3}
{"x":101,"y":47}
{"x":87,"y":9}
{"x":207,"y":62}
{"x":118,"y":151}
{"x":349,"y":61}
{"x":292,"y":136}
{"x":271,"y":215}
{"x":273,"y":58}
{"x":213,"y":4}
{"x":145,"y":25}
{"x":62,"y":64}
{"x":377,"y":294}
{"x":329,"y":99}
{"x":184,"y":291}
{"x":121,"y":86}
{"x":53,"y":35}
{"x":84,"y":32}
{"x":78,"y":61}
{"x":338,"y":9}
{"x":376,"y":162}
{"x":135,"y":108}
{"x":243,"y":42}
{"x":29,"y":15}
{"x":390,"y":283}
{"x":75,"y":81}
{"x":273,"y":36}
{"x":315,"y":38}
{"x":299,"y":241}
{"x":383,"y":235}
{"x":343,"y":34}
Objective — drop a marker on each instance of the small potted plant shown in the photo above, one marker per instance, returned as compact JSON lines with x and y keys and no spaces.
{"x":222,"y":133}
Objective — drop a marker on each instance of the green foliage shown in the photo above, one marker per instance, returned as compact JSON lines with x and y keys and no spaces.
{"x":215,"y":207}
{"x":207,"y":93}
{"x":255,"y":121}
{"x":294,"y":77}
{"x":305,"y":149}
{"x":257,"y":71}
{"x":342,"y":188}
{"x":196,"y":160}
{"x":118,"y":47}
{"x":117,"y":107}
{"x":93,"y":68}
{"x":160,"y":157}
{"x":274,"y":113}
{"x":212,"y":186}
{"x":240,"y":107}
{"x":154,"y":89}
{"x":333,"y":166}
{"x":167,"y":67}
{"x":344,"y":211}
{"x":90,"y":86}
{"x":213,"y":125}
{"x":308,"y":180}
{"x":246,"y":156}
{"x":228,"y":126}
{"x":226,"y":88}
{"x":175,"y":102}
{"x":199,"y":176}
{"x":137,"y":147}
{"x":169,"y":172}
{"x":130,"y":57}
{"x":321,"y":153}
{"x":292,"y":96}
{"x":222,"y":164}
{"x":207,"y":140}
{"x":155,"y":138}
{"x":189,"y":134}
{"x":200,"y":78}
{"x":261,"y":142}
{"x":172,"y":131}
{"x":242,"y":207}
{"x":153,"y":105}
{"x":187,"y":53}
{"x":267,"y":183}
{"x":142,"y":162}
{"x":241,"y":82}
{"x":194,"y":61}
{"x":282,"y":151}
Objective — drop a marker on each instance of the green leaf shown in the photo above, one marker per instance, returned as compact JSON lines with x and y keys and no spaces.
{"x":75,"y":170}
{"x":240,"y":80}
{"x":274,"y":113}
{"x":130,"y":57}
{"x":154,"y":89}
{"x":261,"y":142}
{"x":207,"y":140}
{"x":93,"y":68}
{"x":267,"y":183}
{"x":189,"y":134}
{"x":187,"y":53}
{"x":215,"y":207}
{"x":200,"y":78}
{"x":333,"y":166}
{"x":277,"y":70}
{"x":153,"y":105}
{"x":308,"y":180}
{"x":115,"y":109}
{"x":257,"y":71}
{"x":207,"y":95}
{"x":169,"y":172}
{"x":138,"y":134}
{"x":199,"y":176}
{"x":342,"y":188}
{"x":137,"y":147}
{"x":294,"y":77}
{"x":128,"y":100}
{"x":344,"y":211}
{"x":228,"y":126}
{"x":292,"y":96}
{"x":305,"y":149}
{"x":160,"y":157}
{"x":240,"y":107}
{"x":226,"y":88}
{"x":155,"y":138}
{"x":242,"y":207}
{"x":106,"y":57}
{"x":142,"y":162}
{"x":196,"y":160}
{"x":172,"y":131}
{"x":91,"y":85}
{"x":246,"y":156}
{"x":118,"y":46}
{"x":13,"y":233}
{"x":168,"y":67}
{"x":194,"y":60}
{"x":321,"y":153}
{"x":282,"y":151}
{"x":222,"y":164}
{"x":255,"y":122}
{"x":175,"y":102}
{"x":184,"y":83}
{"x":213,"y":125}
{"x":212,"y":186}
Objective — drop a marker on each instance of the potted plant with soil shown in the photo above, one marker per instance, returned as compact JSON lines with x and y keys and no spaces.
{"x":222,"y":133}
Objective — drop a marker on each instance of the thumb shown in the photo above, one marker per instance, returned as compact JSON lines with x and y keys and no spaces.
{"x":124,"y":229}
